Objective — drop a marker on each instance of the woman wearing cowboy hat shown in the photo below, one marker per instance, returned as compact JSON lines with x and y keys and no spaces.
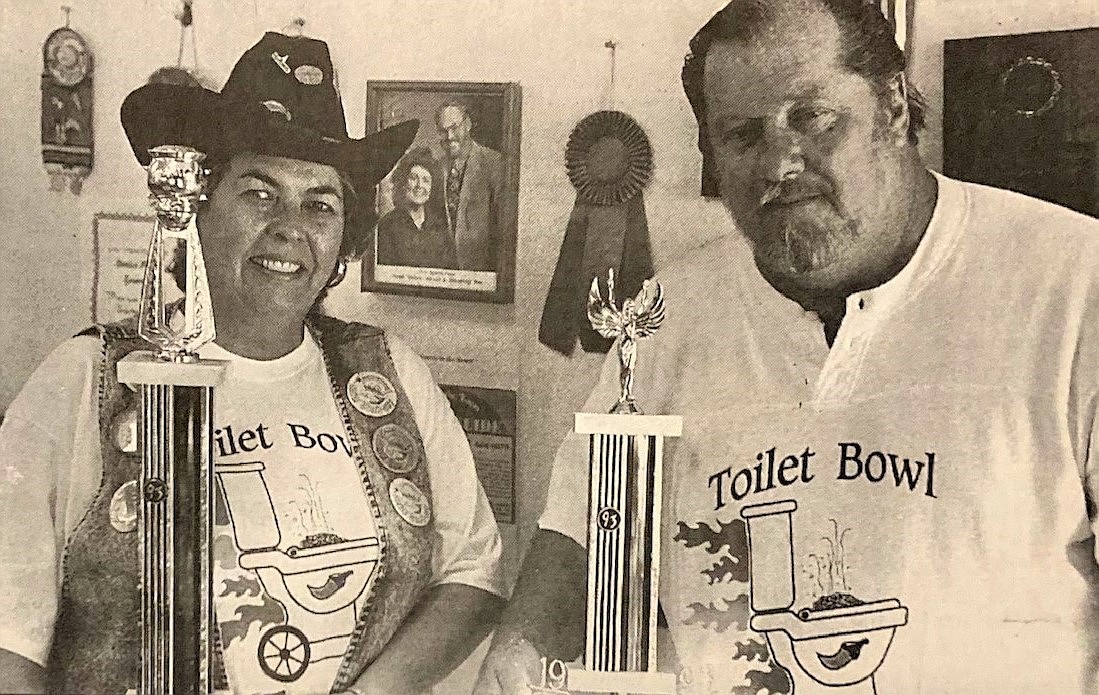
{"x":331,"y":439}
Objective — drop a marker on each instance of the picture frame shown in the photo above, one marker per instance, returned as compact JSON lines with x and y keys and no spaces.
{"x":120,"y":243}
{"x":451,"y":232}
{"x":488,"y":418}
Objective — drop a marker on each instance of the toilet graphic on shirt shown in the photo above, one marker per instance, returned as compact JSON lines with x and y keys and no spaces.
{"x":309,"y":590}
{"x":833,"y":646}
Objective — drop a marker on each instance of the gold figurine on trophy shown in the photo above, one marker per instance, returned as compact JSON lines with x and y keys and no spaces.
{"x":637,"y":318}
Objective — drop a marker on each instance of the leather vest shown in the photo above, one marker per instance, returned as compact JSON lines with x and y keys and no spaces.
{"x":96,"y":647}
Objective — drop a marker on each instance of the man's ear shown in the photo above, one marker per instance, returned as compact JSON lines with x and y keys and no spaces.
{"x":895,"y":102}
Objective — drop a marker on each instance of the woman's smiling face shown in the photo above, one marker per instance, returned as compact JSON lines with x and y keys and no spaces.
{"x":270,"y":235}
{"x":418,"y":189}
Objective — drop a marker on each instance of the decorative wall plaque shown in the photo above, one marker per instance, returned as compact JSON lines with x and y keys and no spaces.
{"x":1022,"y":112}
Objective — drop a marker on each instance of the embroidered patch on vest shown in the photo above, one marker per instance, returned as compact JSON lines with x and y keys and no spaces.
{"x":396,"y":448}
{"x":410,"y":502}
{"x":123,"y":508}
{"x":124,"y":431}
{"x":372,"y":394}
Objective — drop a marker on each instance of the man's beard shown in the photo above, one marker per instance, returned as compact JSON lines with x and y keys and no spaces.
{"x":810,"y":238}
{"x":797,"y":227}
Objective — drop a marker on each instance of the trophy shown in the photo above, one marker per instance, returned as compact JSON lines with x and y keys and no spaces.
{"x":175,"y":435}
{"x":625,"y":457}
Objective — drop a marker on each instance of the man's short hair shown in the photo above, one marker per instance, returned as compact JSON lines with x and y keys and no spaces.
{"x":869,"y":48}
{"x":456,"y":103}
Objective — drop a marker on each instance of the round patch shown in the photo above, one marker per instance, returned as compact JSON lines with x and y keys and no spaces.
{"x":123,"y":509}
{"x":372,"y":394}
{"x":396,"y":448}
{"x":410,"y":502}
{"x":309,"y":74}
{"x":125,"y":431}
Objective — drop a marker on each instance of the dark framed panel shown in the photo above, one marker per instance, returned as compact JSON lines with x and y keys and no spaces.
{"x":1022,"y":112}
{"x":488,"y":418}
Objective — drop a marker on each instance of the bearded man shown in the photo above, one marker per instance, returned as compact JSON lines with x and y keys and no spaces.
{"x":903,"y":366}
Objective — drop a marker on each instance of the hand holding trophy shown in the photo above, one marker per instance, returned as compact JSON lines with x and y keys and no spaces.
{"x":623,"y":518}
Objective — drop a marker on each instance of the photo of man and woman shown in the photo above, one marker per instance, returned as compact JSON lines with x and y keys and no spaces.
{"x":447,"y":214}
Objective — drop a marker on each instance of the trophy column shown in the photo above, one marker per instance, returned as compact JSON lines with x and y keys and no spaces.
{"x":175,"y":433}
{"x":625,"y":452}
{"x":625,"y":457}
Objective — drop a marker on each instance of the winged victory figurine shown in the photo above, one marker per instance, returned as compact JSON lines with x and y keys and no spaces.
{"x":637,"y":318}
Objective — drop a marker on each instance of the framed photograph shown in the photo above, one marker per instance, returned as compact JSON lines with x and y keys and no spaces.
{"x":488,"y":419}
{"x":448,"y":214}
{"x":121,"y":247}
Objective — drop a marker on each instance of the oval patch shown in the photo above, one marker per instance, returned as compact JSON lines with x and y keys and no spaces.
{"x":372,"y":394}
{"x":123,"y":509}
{"x":396,"y":448}
{"x":309,"y":74}
{"x":410,"y":502}
{"x":125,"y":431}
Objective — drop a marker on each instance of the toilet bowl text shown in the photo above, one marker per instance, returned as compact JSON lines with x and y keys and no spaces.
{"x":854,"y":462}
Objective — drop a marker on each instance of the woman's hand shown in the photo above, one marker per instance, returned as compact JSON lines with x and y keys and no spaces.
{"x":511,"y":667}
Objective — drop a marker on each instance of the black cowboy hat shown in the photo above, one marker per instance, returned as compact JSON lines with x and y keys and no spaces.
{"x":281,"y":99}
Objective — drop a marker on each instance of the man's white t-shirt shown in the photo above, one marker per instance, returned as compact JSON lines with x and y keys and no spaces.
{"x":941,"y":454}
{"x":287,"y":485}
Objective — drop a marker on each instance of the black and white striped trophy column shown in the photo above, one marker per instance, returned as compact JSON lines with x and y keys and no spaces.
{"x":175,"y":436}
{"x":625,"y":455}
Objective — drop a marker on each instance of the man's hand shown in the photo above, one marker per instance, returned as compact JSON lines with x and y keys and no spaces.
{"x":510,"y":668}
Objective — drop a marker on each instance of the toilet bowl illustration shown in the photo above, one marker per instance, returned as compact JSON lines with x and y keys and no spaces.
{"x":312,"y":582}
{"x":834,"y":650}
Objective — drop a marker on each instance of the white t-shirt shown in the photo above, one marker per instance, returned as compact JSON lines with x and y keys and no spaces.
{"x":939,"y":454}
{"x":288,"y":480}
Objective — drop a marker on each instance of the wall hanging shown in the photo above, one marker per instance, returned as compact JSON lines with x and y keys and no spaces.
{"x":67,"y":143}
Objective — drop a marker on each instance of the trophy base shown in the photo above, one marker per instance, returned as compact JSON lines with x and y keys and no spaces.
{"x":143,"y":367}
{"x":580,"y":680}
{"x":628,"y":424}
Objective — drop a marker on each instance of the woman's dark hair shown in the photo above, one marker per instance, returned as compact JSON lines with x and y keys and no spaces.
{"x":869,"y":49}
{"x":421,"y":157}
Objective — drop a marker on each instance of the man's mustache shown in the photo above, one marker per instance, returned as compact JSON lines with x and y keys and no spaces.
{"x":792,"y":190}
